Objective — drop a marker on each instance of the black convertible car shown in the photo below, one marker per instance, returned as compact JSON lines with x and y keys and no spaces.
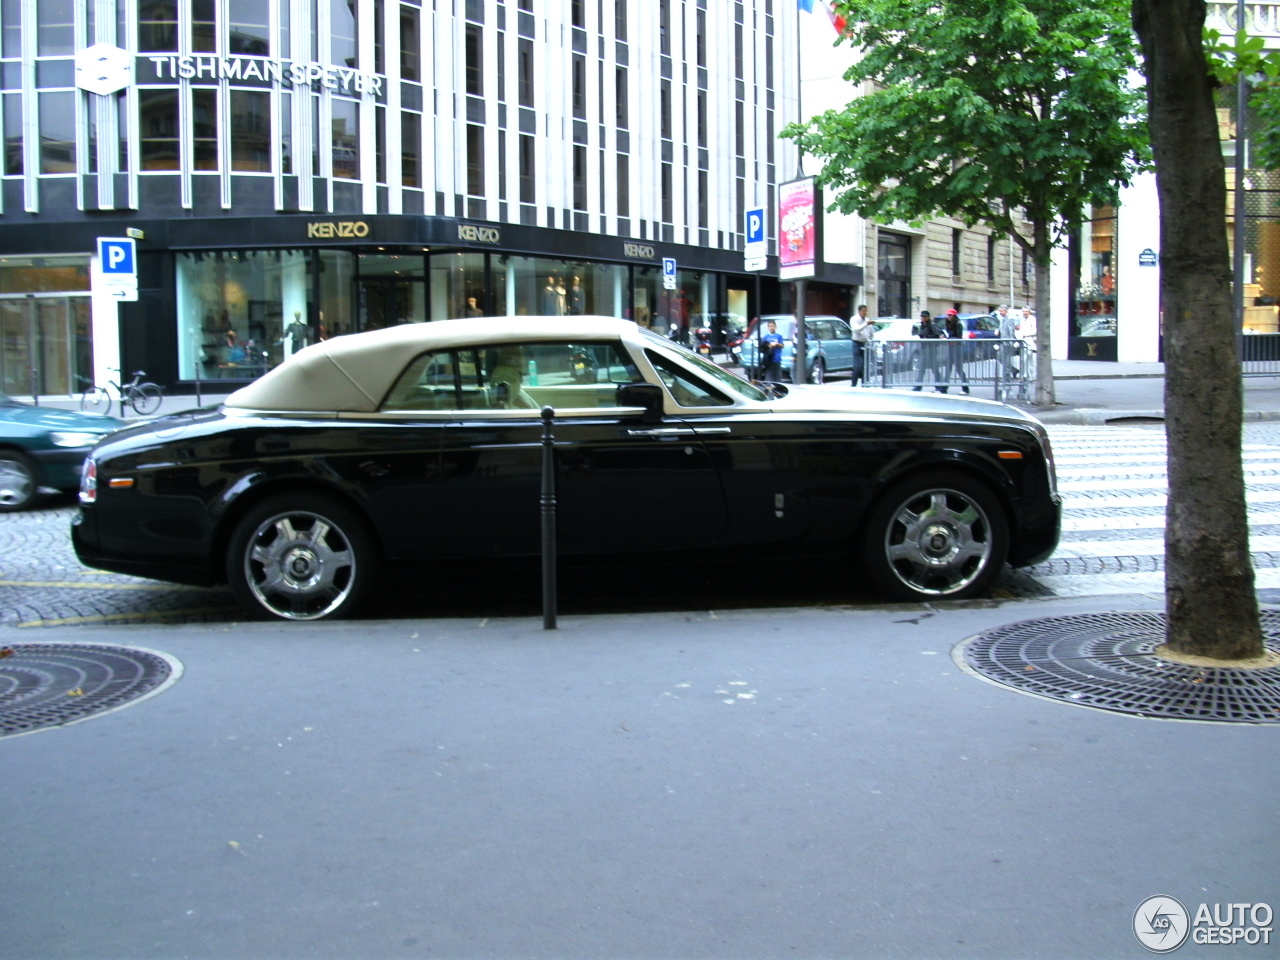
{"x":422,"y":443}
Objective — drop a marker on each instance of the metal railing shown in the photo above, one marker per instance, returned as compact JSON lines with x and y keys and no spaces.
{"x":1002,"y":369}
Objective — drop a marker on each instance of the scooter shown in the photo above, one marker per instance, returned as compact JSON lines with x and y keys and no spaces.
{"x":703,"y":345}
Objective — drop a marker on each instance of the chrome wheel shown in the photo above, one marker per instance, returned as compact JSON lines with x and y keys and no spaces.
{"x":301,"y":563}
{"x":944,"y":537}
{"x":18,"y":487}
{"x":819,"y":373}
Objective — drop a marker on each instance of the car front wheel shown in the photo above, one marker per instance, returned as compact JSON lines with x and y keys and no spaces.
{"x":941,"y":536}
{"x":301,"y":558}
{"x":819,"y":372}
{"x":19,"y":488}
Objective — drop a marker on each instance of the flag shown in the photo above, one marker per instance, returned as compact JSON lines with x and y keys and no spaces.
{"x":837,"y":21}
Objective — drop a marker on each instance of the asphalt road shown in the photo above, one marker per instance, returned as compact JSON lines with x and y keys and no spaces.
{"x":792,"y":783}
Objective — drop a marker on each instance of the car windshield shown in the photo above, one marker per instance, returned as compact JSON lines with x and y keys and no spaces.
{"x":725,"y":380}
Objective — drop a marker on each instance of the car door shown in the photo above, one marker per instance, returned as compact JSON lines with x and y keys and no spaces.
{"x":838,"y":345}
{"x":623,"y":485}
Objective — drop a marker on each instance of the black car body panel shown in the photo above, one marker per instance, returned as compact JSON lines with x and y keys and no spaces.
{"x":797,"y":473}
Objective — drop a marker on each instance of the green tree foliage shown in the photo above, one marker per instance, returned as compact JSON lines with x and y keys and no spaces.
{"x":990,"y":113}
{"x":1245,"y":55}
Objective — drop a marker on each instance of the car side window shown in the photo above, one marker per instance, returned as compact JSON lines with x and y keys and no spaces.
{"x":818,"y":329}
{"x":687,"y":390}
{"x":515,"y":376}
{"x":841,"y":330}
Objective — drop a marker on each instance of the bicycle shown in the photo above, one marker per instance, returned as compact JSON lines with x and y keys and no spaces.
{"x":144,"y":397}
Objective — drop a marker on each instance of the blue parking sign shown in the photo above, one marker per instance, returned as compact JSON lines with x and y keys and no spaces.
{"x":117,"y":257}
{"x":755,"y":225}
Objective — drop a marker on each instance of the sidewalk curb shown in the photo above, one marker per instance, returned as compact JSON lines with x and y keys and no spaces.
{"x":1100,"y":417}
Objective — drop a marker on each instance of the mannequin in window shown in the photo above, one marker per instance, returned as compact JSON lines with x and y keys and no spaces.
{"x":577,"y":297}
{"x":235,"y":349}
{"x":553,"y":298}
{"x":295,"y":335}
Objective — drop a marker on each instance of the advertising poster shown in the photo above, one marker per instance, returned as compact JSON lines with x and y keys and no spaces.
{"x":797,"y":229}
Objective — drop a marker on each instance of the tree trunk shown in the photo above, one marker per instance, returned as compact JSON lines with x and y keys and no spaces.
{"x":1044,"y":396}
{"x":1209,"y":593}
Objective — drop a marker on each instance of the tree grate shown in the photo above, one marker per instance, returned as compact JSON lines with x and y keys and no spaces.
{"x":53,"y":684}
{"x":1107,"y":661}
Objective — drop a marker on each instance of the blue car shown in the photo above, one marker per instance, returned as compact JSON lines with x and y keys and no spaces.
{"x":828,"y":345}
{"x":42,"y":450}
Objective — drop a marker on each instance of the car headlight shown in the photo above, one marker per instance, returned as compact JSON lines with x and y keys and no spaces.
{"x":74,"y":439}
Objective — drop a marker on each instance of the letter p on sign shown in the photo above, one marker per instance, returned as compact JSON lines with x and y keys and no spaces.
{"x":117,"y":257}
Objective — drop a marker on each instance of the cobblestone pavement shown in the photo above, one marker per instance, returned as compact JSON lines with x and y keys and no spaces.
{"x":1114,"y":491}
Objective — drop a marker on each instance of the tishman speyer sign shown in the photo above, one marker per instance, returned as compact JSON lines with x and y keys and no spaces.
{"x":242,"y":69}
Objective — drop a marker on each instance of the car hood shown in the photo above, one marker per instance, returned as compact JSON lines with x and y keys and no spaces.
{"x":54,"y":419}
{"x":818,"y":399}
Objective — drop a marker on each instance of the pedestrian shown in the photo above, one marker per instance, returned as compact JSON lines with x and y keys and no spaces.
{"x":1009,"y":337}
{"x":771,"y":354}
{"x":956,"y":353}
{"x":930,"y":358}
{"x":863,"y":332}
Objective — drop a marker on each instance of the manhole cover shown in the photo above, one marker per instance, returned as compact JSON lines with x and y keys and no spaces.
{"x":52,"y":684}
{"x":1106,"y":661}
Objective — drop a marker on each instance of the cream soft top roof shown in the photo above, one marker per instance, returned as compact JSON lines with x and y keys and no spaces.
{"x":353,"y":373}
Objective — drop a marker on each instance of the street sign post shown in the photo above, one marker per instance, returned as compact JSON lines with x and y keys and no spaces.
{"x":668,"y":273}
{"x":756,"y":251}
{"x":118,"y":264}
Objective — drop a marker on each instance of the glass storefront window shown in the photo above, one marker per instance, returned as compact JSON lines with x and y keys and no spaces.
{"x":54,"y":274}
{"x":458,"y":285}
{"x":1095,"y":299}
{"x":336,"y":313}
{"x":44,"y":324}
{"x":240,"y":312}
{"x":545,"y":287}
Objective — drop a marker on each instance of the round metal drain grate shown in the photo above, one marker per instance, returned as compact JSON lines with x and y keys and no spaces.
{"x":53,"y":684}
{"x":1106,"y":661}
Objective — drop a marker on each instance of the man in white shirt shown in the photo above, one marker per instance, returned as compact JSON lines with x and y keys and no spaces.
{"x":863,"y":331}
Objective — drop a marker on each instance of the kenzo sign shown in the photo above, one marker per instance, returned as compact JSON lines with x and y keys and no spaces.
{"x":473,"y":234}
{"x":329,"y":230}
{"x":640,"y":250}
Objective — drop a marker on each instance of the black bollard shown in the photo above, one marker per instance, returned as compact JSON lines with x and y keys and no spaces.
{"x":548,"y":521}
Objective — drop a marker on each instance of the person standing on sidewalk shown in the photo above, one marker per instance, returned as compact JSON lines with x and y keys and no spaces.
{"x":956,"y":353}
{"x":863,"y":331}
{"x":930,"y":358}
{"x":771,"y":357}
{"x":1009,"y":348}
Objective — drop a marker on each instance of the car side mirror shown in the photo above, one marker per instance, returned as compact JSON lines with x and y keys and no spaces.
{"x":646,"y":395}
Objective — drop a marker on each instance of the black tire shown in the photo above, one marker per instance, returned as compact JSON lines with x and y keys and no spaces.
{"x":302,"y":557}
{"x":19,"y":482}
{"x":96,"y":400}
{"x":938,"y":536}
{"x":145,"y":398}
{"x":819,"y":372}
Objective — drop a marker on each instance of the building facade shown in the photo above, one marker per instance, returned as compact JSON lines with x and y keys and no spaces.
{"x":292,"y":170}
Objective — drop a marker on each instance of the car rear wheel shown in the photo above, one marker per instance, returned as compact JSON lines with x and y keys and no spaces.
{"x":301,"y":558}
{"x":19,"y":487}
{"x":819,"y":372}
{"x":939,"y":536}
